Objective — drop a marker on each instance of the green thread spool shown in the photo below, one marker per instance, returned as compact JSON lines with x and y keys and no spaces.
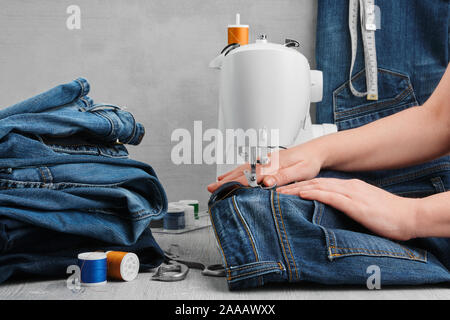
{"x":193,"y":203}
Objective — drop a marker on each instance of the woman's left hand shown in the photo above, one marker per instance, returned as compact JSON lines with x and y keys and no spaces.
{"x":381,"y":212}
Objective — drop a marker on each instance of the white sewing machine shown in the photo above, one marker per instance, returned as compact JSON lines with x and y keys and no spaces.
{"x":264,"y":87}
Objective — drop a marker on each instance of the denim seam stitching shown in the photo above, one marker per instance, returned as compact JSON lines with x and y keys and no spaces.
{"x":42,"y":176}
{"x":279,"y":235}
{"x":253,"y":272}
{"x":134,"y":129}
{"x":318,"y":218}
{"x":335,"y":247}
{"x":108,"y":120}
{"x":107,"y":211}
{"x":254,"y":265}
{"x":250,"y":237}
{"x":287,"y":240}
{"x":412,"y":175}
{"x":92,"y":152}
{"x":218,"y":241}
{"x":63,"y":184}
{"x":321,"y":207}
{"x":86,"y":102}
{"x":375,"y":251}
{"x":140,"y":212}
{"x":410,"y":253}
{"x":340,"y":115}
{"x":74,"y":151}
{"x":376,"y":105}
{"x":103,"y":106}
{"x":72,"y":145}
{"x":113,"y":127}
{"x":50,"y":176}
{"x":239,"y":268}
{"x":390,"y":253}
{"x":380,"y":254}
{"x":394,"y":107}
{"x":360,"y":73}
{"x":357,"y":75}
{"x":82,"y":88}
{"x":411,"y":192}
{"x":438,"y":184}
{"x":376,"y":255}
{"x":228,"y":193}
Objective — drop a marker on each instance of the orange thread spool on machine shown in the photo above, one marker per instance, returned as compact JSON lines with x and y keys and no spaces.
{"x":238,"y":33}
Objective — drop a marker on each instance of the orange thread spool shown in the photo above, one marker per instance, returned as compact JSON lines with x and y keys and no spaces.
{"x":122,"y":265}
{"x":238,"y":33}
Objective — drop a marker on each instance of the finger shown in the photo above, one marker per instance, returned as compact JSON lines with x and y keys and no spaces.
{"x":344,"y":187}
{"x":335,"y":200}
{"x":238,"y":176}
{"x":291,"y":186}
{"x":287,"y":175}
{"x":237,"y":173}
{"x":233,"y":172}
{"x":214,"y":186}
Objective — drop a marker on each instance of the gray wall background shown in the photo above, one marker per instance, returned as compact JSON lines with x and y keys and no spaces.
{"x":148,"y":55}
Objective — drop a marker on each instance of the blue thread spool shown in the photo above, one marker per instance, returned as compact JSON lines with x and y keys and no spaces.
{"x":93,"y":266}
{"x":174,"y":219}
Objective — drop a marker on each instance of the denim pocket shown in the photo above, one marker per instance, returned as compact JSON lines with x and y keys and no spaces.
{"x":395,"y":94}
{"x":345,"y":238}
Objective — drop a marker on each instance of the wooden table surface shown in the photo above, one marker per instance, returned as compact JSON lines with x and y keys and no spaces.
{"x":200,"y":245}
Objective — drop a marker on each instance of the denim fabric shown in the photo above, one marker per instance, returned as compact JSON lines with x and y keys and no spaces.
{"x":266,"y":237}
{"x":64,"y":171}
{"x":65,"y":111}
{"x":32,"y":251}
{"x":412,"y":54}
{"x":269,"y":237}
{"x":112,"y":200}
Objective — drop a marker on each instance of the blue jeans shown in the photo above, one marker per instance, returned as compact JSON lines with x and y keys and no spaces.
{"x":29,"y":251}
{"x":412,"y":54}
{"x":66,"y":111}
{"x":64,"y":170}
{"x":267,"y":237}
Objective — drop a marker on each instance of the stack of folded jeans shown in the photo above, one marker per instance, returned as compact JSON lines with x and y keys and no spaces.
{"x":67,"y":185}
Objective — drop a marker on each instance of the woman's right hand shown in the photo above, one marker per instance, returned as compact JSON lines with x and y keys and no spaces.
{"x":299,"y":163}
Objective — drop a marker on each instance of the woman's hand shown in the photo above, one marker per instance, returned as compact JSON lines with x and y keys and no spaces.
{"x":381,"y":212}
{"x":300,"y":163}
